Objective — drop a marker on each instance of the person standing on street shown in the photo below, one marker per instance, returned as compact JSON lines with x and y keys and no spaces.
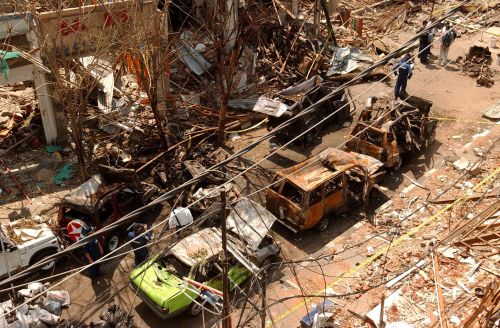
{"x":447,"y":37}
{"x":425,"y":40}
{"x":92,"y":251}
{"x":139,"y":245}
{"x":403,"y":71}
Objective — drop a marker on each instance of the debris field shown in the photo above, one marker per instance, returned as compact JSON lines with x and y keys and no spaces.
{"x":301,"y":163}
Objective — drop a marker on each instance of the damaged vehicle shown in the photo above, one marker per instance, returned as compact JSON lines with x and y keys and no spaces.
{"x":188,"y":277}
{"x":24,"y":243}
{"x":389,"y":134}
{"x":99,"y":202}
{"x":288,"y":103}
{"x":310,"y":194}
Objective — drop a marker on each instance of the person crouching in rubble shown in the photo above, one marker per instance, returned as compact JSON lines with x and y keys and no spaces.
{"x":366,"y":114}
{"x":139,"y":244}
{"x":92,"y":252}
{"x":403,"y":71}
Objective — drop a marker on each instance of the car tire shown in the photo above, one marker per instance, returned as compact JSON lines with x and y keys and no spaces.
{"x":308,"y":138}
{"x":194,"y":309}
{"x":341,"y":116}
{"x":322,"y":225}
{"x":397,"y":166}
{"x":271,"y":263}
{"x":431,"y":139}
{"x":42,"y":255}
{"x":112,"y":242}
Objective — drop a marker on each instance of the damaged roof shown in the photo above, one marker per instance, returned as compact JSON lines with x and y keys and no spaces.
{"x":198,"y":247}
{"x":315,"y":172}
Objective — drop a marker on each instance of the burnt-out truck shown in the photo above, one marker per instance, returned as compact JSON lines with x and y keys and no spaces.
{"x":288,"y":103}
{"x":390,"y":133}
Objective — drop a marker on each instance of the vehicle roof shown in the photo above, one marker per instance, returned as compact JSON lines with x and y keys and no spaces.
{"x":81,"y":197}
{"x":197,"y":247}
{"x":108,"y":179}
{"x":85,"y":196}
{"x":315,"y":172}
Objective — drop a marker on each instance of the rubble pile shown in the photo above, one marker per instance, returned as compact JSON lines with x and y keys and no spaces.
{"x":112,"y":317}
{"x":42,"y":312}
{"x":19,"y":116}
{"x":476,"y":64}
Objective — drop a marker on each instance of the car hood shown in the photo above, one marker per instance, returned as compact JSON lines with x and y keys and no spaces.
{"x":157,"y":283}
{"x":371,"y":164}
{"x":250,"y":221}
{"x":27,"y":235}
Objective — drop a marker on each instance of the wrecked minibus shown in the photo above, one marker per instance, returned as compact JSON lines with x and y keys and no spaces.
{"x":310,"y":194}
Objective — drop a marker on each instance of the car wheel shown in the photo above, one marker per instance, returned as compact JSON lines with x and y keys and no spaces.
{"x":431,"y":138}
{"x":112,"y":242}
{"x":308,"y":138}
{"x":341,"y":116}
{"x":41,"y":256}
{"x":271,"y":264}
{"x":397,"y":166}
{"x":195,"y":308}
{"x":322,"y":224}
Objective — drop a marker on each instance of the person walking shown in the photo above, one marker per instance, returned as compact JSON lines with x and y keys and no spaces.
{"x":92,"y":251}
{"x":447,"y":37}
{"x":425,"y":40}
{"x":139,"y":245}
{"x":403,"y":71}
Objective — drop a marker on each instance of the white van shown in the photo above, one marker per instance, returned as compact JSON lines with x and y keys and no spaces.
{"x":24,"y":243}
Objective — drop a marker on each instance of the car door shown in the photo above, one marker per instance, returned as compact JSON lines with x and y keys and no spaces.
{"x":393,"y":157}
{"x":333,"y":193}
{"x":10,"y":259}
{"x":237,"y":274}
{"x":315,"y":207}
{"x":127,"y":200}
{"x":106,"y":211}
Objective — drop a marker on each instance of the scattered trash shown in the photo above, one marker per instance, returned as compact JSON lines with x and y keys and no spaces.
{"x":461,"y":164}
{"x":63,"y":174}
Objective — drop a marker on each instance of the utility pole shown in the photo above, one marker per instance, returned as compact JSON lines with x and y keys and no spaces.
{"x":317,"y":17}
{"x":226,"y":311}
{"x":264,"y":296}
{"x":331,"y":32}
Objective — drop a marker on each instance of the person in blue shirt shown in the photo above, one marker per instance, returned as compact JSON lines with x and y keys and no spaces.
{"x":92,"y":251}
{"x":403,"y":71}
{"x":141,"y":252}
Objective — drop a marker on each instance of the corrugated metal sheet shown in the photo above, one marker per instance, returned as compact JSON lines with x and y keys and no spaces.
{"x":192,"y":59}
{"x":243,"y":103}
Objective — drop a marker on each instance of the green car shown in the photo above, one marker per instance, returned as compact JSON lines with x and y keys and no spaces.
{"x":169,"y":283}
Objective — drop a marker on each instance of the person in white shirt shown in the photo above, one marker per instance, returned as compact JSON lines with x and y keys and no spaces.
{"x":447,"y":37}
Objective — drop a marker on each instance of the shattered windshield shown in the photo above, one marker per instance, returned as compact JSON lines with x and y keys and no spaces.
{"x":175,"y":266}
{"x":293,"y":193}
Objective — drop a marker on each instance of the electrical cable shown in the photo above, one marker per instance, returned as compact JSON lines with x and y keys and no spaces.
{"x":382,"y":282}
{"x":160,"y":198}
{"x":173,"y":192}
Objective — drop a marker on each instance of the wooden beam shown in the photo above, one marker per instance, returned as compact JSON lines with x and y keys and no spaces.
{"x":441,"y":302}
{"x":491,"y":300}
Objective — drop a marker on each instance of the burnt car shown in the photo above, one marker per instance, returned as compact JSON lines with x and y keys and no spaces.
{"x":188,"y":277}
{"x":388,"y":134}
{"x":288,"y":103}
{"x":311,"y":193}
{"x":99,"y":202}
